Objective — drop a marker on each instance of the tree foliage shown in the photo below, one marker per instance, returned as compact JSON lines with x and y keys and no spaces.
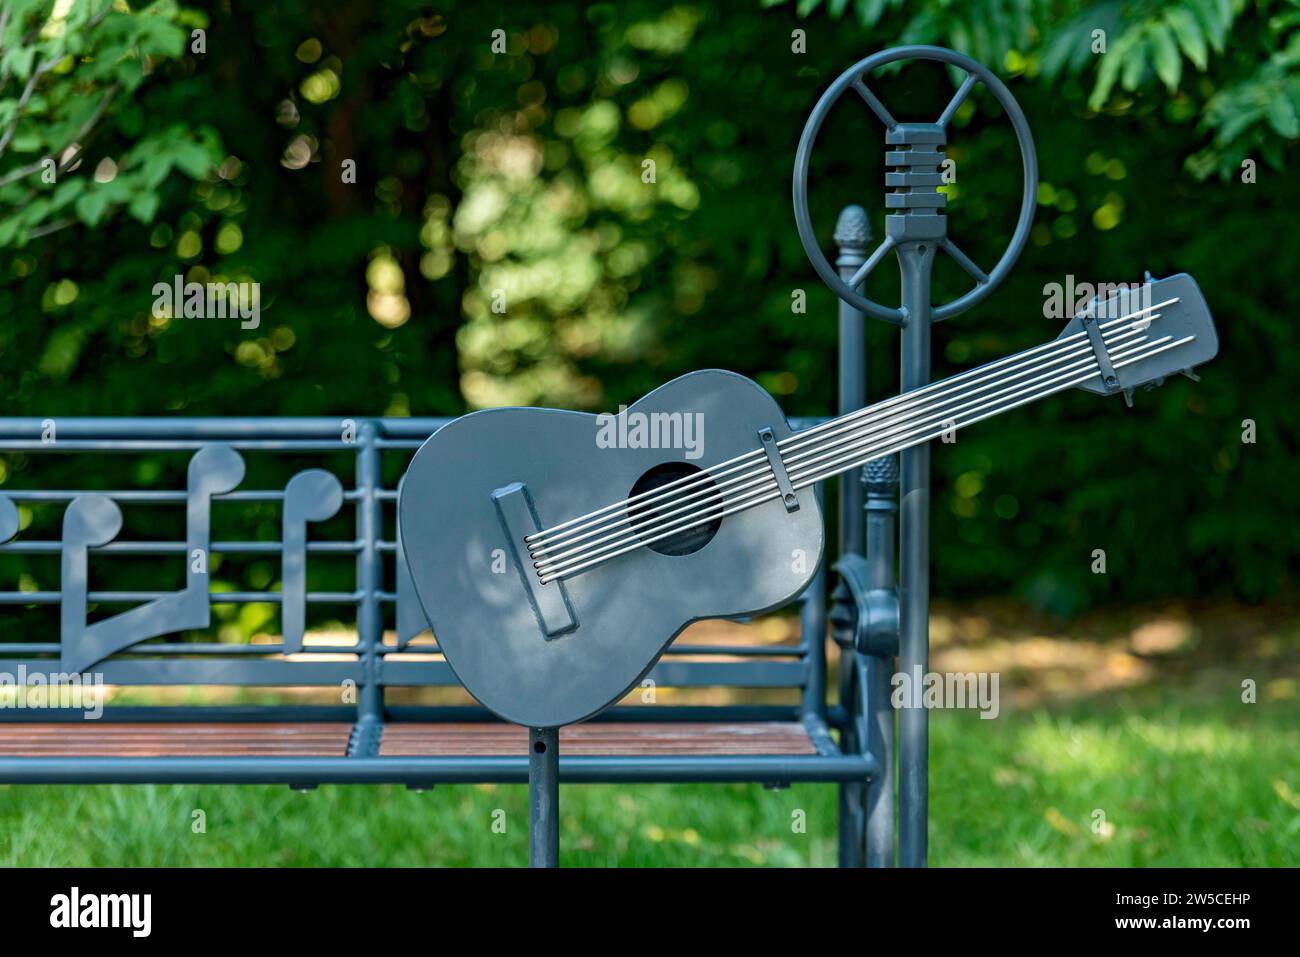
{"x":449,"y":206}
{"x":63,"y":68}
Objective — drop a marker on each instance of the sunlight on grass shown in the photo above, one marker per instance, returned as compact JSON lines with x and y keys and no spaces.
{"x":1064,"y":747}
{"x":1178,"y":783}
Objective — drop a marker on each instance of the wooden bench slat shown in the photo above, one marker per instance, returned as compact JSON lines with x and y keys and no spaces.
{"x":648,"y":739}
{"x":454,"y":739}
{"x":199,"y":739}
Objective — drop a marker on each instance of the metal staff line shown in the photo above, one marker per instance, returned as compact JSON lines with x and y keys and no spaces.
{"x":1144,"y":351}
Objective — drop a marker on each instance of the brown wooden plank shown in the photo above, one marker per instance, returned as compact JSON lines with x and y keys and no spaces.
{"x":178,"y":739}
{"x":614,"y":738}
{"x":312,"y":739}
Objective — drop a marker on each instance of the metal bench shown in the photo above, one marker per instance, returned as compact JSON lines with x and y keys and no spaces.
{"x":289,"y":522}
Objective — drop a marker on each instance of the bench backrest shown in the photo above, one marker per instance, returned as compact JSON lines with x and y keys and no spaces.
{"x":273,"y":525}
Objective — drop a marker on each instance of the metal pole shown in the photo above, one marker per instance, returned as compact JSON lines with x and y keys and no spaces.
{"x":916,"y":260}
{"x":852,"y":234}
{"x":370,"y":576}
{"x":812,"y":628}
{"x":875,"y":542}
{"x":544,"y":797}
{"x":881,"y":483}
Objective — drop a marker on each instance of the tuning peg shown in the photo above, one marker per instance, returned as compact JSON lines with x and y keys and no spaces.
{"x":1190,"y":374}
{"x":1128,"y":398}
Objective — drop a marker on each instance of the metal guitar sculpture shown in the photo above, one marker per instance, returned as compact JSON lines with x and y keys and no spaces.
{"x":555,"y":570}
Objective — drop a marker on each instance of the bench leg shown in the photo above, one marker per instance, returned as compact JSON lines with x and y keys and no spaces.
{"x":866,"y":809}
{"x":880,"y":742}
{"x":851,"y":825}
{"x":543,"y":797}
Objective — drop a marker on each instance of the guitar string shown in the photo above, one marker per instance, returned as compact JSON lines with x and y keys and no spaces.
{"x":803,"y":479}
{"x":564,"y":530}
{"x":909,"y":398}
{"x":757,"y":466}
{"x":930,"y":417}
{"x":1147,"y":350}
{"x":763,"y":473}
{"x":553,"y":551}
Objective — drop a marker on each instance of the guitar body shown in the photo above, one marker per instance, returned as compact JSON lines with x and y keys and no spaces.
{"x":466,"y":559}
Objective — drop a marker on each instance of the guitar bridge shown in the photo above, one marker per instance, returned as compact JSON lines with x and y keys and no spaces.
{"x":518,"y":518}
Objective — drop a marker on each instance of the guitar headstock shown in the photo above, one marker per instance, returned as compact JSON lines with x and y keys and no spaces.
{"x":1164,"y":327}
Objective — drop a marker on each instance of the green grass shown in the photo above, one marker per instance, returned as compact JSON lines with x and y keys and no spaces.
{"x":1181,"y":781}
{"x":1171,"y":781}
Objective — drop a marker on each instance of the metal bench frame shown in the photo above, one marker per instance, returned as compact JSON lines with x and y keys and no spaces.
{"x":857,"y":755}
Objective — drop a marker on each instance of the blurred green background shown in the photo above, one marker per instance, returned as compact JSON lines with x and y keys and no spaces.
{"x":521,"y":172}
{"x":384,"y":173}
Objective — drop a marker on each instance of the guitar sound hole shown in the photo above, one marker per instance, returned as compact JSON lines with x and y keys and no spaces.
{"x":650,"y":518}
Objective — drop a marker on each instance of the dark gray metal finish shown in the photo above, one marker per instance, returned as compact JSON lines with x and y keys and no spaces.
{"x":767,"y":440}
{"x":441,"y":770}
{"x":881,"y":483}
{"x":311,"y":496}
{"x":628,"y":609}
{"x":1108,"y":375}
{"x":519,"y":519}
{"x":812,"y":629}
{"x":852,"y":234}
{"x":866,"y":602}
{"x":411,"y":622}
{"x":314,"y":496}
{"x":1179,"y":310}
{"x":862,"y":754}
{"x":915,"y":175}
{"x":916,"y":261}
{"x":624,"y":613}
{"x":10,"y":520}
{"x":874,"y":621}
{"x":95,"y":520}
{"x":544,"y":797}
{"x":365,"y":662}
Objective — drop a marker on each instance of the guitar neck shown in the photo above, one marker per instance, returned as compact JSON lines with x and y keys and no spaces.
{"x":839,"y":445}
{"x":940,"y":409}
